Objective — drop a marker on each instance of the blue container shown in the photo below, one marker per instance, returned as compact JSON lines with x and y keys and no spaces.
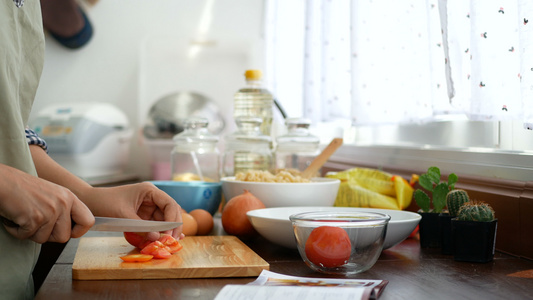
{"x":191,"y":195}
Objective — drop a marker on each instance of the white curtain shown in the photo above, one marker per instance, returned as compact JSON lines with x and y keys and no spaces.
{"x":409,"y":61}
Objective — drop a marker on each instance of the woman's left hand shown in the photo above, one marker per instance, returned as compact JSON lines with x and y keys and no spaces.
{"x":134,"y":201}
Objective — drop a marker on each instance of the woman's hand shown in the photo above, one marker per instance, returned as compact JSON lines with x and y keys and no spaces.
{"x":135,"y":201}
{"x":42,"y":211}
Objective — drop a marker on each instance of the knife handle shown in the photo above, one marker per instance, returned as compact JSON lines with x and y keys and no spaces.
{"x":12,"y":224}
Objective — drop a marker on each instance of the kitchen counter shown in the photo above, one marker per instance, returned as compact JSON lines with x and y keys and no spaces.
{"x":412,"y":272}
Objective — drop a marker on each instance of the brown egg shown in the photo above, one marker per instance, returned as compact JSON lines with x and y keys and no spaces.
{"x":190,"y":226}
{"x":204,"y":220}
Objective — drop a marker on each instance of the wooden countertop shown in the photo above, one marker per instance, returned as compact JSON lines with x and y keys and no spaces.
{"x":412,"y":272}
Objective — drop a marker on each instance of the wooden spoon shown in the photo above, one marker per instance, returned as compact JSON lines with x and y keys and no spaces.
{"x":321,"y":159}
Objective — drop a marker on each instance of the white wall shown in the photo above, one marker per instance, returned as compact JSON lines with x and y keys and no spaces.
{"x":126,"y":62}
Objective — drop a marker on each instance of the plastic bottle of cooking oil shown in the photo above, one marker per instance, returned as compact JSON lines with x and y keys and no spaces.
{"x":254,"y":100}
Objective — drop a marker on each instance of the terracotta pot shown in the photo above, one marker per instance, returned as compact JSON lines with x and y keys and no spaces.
{"x":474,"y":241}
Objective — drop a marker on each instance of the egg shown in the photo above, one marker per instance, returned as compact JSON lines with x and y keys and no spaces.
{"x":190,"y":226}
{"x":204,"y":220}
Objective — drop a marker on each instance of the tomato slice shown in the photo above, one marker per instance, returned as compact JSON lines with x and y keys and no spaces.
{"x":161,"y":253}
{"x":157,"y":249}
{"x":136,"y":257}
{"x":171,"y":243}
{"x":328,"y":246}
{"x":141,"y":239}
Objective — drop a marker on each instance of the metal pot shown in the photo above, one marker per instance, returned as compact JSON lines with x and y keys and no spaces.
{"x":166,"y":117}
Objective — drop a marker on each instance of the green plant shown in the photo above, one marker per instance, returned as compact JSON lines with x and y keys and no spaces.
{"x":475,"y":211}
{"x":455,"y":199}
{"x":431,"y":182}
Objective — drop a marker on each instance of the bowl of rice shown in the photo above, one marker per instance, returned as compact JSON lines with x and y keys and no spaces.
{"x":282,"y":189}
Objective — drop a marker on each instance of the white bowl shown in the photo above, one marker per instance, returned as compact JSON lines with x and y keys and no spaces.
{"x":274,"y":224}
{"x":319,"y":192}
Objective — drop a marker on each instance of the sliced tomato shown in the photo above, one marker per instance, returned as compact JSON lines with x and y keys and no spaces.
{"x":136,"y":257}
{"x":172,"y":244}
{"x":145,"y":243}
{"x":161,"y":253}
{"x":157,"y":249}
{"x":141,"y":239}
{"x":152,"y":247}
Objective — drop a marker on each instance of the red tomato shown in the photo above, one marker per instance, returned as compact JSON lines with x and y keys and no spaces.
{"x":161,"y":253}
{"x":170,"y":242}
{"x":141,"y":239}
{"x":136,"y":257}
{"x":328,"y":246}
{"x":157,"y":249}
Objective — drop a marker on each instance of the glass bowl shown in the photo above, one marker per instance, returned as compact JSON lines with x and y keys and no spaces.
{"x":340,"y":243}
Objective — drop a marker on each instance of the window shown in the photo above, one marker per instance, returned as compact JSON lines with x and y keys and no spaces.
{"x":452,"y":75}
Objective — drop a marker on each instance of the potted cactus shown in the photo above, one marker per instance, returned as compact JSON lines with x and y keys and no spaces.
{"x":474,"y":232}
{"x":429,"y":210}
{"x":454,"y":200}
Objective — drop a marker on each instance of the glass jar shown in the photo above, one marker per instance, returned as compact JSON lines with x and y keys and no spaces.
{"x":247,"y":148}
{"x":297,"y":148}
{"x":195,"y":155}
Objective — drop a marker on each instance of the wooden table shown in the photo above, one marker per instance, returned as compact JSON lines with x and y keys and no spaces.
{"x":413,"y":273}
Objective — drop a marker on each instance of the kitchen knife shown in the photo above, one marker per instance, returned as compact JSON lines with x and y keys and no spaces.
{"x":131,"y":225}
{"x":119,"y":225}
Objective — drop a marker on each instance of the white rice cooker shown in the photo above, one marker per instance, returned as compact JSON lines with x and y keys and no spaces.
{"x":89,"y":139}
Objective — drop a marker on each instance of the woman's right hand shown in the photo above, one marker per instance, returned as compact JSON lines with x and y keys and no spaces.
{"x":42,"y":211}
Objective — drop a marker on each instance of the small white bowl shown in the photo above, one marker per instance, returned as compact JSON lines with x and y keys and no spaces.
{"x":274,"y":224}
{"x":319,"y":192}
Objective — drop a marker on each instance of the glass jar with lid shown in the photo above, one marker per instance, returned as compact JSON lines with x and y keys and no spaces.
{"x":297,"y":148}
{"x":195,"y":155}
{"x":247,"y":148}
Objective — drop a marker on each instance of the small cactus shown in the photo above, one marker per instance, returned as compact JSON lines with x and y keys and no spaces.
{"x":475,"y":211}
{"x":431,"y":181}
{"x":455,"y":199}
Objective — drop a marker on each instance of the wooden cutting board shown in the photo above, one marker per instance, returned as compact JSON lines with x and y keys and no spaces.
{"x":98,"y":258}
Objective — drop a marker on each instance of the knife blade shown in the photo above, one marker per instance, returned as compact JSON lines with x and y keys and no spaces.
{"x":131,"y":225}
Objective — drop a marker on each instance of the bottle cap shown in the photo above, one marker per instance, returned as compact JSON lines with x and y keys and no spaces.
{"x":253,"y":74}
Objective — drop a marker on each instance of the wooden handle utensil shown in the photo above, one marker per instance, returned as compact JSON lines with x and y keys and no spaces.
{"x":321,"y":159}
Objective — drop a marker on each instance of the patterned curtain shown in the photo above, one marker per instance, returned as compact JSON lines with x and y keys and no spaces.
{"x":489,"y":58}
{"x":409,"y":61}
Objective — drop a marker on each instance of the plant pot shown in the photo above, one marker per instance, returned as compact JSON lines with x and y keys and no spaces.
{"x":429,"y":230}
{"x":445,"y":226}
{"x":474,"y":241}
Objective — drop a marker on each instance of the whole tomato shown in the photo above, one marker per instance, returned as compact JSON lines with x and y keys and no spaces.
{"x":328,"y":246}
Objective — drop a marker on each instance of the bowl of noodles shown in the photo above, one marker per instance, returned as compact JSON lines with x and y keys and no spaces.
{"x":282,"y":189}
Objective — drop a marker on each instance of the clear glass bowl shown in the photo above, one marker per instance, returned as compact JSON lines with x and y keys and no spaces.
{"x":341,"y":243}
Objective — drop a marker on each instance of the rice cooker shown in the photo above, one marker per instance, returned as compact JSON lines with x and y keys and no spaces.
{"x":88,"y":139}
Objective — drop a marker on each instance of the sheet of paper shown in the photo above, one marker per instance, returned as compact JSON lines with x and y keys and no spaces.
{"x":270,"y":285}
{"x":289,"y":292}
